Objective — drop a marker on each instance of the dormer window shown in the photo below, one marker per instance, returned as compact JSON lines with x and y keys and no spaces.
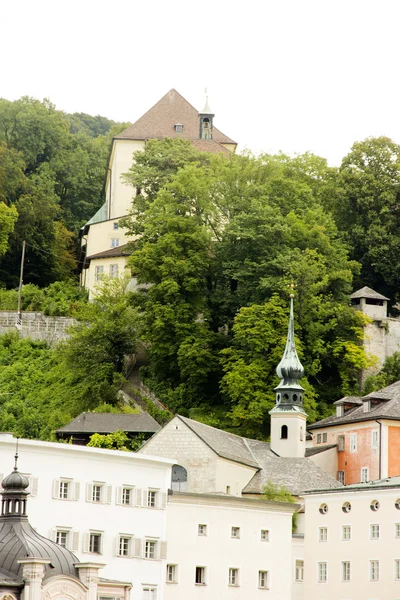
{"x":366,"y":406}
{"x":178,"y":128}
{"x":339,"y":410}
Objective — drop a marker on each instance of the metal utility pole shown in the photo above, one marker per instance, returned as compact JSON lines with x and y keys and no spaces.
{"x":21,"y":278}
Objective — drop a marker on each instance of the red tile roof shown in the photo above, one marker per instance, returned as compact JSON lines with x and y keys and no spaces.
{"x":159,"y":122}
{"x":119,"y":251}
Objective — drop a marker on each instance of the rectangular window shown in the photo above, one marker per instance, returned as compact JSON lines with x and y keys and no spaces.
{"x":115,"y":225}
{"x":346,"y":570}
{"x":374,"y":529}
{"x":95,"y":543}
{"x":374,"y":570}
{"x":96,"y":493}
{"x":323,"y":534}
{"x":200,"y":576}
{"x":113,"y":270}
{"x":149,"y":593}
{"x":340,"y":441}
{"x":171,"y":576}
{"x":374,"y":440}
{"x":346,"y":533}
{"x":340,"y":477}
{"x":233,"y":576}
{"x":263,"y":580}
{"x":114,"y":242}
{"x":64,"y":490}
{"x":353,"y":442}
{"x":151,"y":499}
{"x":299,"y":570}
{"x":322,"y":572}
{"x":235,"y":532}
{"x":202,"y":529}
{"x":319,"y":438}
{"x":265,"y":535}
{"x":150,"y":550}
{"x":364,"y":475}
{"x":62,"y":538}
{"x":98,"y":272}
{"x":124,"y":546}
{"x":397,"y":569}
{"x":397,"y":530}
{"x":324,"y":437}
{"x":127,"y":496}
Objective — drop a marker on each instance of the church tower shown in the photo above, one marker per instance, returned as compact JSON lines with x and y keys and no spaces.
{"x":288,"y":418}
{"x":206,"y":122}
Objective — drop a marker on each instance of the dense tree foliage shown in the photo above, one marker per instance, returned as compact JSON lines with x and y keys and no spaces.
{"x":52,"y":170}
{"x":220,"y":240}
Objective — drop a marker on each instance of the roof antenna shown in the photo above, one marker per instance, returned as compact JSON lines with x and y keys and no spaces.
{"x":16,"y":457}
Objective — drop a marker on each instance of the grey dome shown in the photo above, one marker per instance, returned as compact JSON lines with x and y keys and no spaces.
{"x":15,"y":481}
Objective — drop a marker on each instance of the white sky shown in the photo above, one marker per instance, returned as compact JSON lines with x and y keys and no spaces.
{"x":290,"y":75}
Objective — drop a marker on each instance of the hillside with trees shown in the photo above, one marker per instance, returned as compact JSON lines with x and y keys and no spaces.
{"x":218,"y":241}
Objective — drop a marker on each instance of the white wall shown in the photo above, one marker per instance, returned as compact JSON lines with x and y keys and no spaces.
{"x":232,"y":477}
{"x":120,"y":163}
{"x":218,"y":551}
{"x":359,"y":551}
{"x":100,"y":235}
{"x":327,"y":461}
{"x":47,"y":461}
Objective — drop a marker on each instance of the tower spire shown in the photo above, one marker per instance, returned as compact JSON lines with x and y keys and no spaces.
{"x":288,"y":418}
{"x":206,"y":121}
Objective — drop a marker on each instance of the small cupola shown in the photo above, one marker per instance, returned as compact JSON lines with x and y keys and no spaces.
{"x":206,"y":117}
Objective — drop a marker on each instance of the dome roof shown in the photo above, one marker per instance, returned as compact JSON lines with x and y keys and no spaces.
{"x":19,"y":540}
{"x":15,"y":482}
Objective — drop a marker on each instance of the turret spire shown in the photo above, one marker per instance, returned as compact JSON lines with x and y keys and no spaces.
{"x":206,"y":121}
{"x":289,"y":392}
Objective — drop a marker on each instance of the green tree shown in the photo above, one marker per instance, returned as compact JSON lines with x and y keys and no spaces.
{"x":390,"y":373}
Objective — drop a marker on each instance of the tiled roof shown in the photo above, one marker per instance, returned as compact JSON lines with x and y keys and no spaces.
{"x":318,"y":449}
{"x":390,"y":482}
{"x":227,"y":445}
{"x":367,"y":292}
{"x":109,"y":422}
{"x":210,"y":146}
{"x":119,"y":251}
{"x":388,"y":409}
{"x":159,"y":121}
{"x":296,"y":474}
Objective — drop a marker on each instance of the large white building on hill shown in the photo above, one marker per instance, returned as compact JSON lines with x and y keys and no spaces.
{"x":103,"y":241}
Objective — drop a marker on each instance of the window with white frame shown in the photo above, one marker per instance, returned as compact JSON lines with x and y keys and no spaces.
{"x":172,"y":574}
{"x":322,"y":572}
{"x":353,"y":442}
{"x":324,"y":437}
{"x":235,"y":532}
{"x":233,"y":576}
{"x":323,"y":534}
{"x":374,"y":506}
{"x":346,"y":533}
{"x":62,"y":537}
{"x":319,"y":438}
{"x":374,"y":570}
{"x":340,"y":441}
{"x":299,"y":570}
{"x":201,"y":529}
{"x":374,"y":439}
{"x":397,"y":569}
{"x":124,"y":545}
{"x":114,"y":242}
{"x":114,"y":270}
{"x":152,"y":498}
{"x":98,"y":272}
{"x":265,"y":535}
{"x":346,"y":507}
{"x":340,"y":477}
{"x":397,"y":530}
{"x":374,"y":531}
{"x":149,"y":593}
{"x":200,"y":576}
{"x":127,"y":496}
{"x":323,"y":509}
{"x":263,"y":580}
{"x":150,"y":549}
{"x":346,"y":570}
{"x":66,"y":489}
{"x":98,"y":493}
{"x":364,"y":475}
{"x":95,"y":542}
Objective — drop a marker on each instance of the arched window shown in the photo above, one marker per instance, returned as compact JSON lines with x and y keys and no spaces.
{"x":284,"y":432}
{"x":179,"y":478}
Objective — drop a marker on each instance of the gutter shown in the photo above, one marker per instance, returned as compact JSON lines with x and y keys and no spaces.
{"x":380,"y":448}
